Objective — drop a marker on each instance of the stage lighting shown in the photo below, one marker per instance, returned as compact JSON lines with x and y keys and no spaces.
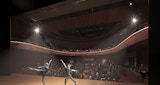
{"x":130,"y":4}
{"x":134,"y":20}
{"x":36,"y":30}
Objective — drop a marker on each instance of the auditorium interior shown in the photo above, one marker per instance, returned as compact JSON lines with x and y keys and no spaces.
{"x":105,"y":40}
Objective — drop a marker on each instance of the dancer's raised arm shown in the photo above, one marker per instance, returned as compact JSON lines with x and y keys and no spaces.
{"x":74,"y":70}
{"x":63,"y":63}
{"x":49,"y":62}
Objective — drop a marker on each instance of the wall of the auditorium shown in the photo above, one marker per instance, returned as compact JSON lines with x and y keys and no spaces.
{"x":5,"y":62}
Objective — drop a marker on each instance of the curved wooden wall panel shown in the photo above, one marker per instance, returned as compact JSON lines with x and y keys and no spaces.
{"x":132,"y":39}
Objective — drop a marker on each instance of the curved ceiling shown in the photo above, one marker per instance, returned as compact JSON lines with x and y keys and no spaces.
{"x":67,"y":7}
{"x":81,"y":20}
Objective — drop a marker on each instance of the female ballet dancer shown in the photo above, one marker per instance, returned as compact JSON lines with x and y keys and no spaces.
{"x":42,"y":69}
{"x":68,"y":72}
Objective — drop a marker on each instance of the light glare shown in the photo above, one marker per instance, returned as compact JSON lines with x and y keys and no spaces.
{"x":134,"y":20}
{"x":37,"y":30}
{"x":130,"y":4}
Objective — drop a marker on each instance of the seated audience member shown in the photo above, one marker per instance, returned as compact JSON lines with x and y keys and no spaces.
{"x":143,"y":71}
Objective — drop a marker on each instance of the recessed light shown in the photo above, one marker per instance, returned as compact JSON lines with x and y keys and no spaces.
{"x":130,"y":4}
{"x":36,"y":30}
{"x":134,"y":20}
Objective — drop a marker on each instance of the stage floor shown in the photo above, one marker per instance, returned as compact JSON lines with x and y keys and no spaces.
{"x":18,"y":79}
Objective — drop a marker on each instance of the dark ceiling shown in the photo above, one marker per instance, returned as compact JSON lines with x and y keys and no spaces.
{"x":21,"y":6}
{"x":78,"y":20}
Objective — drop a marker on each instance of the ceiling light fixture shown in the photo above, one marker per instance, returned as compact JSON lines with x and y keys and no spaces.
{"x":36,"y":30}
{"x":130,"y":3}
{"x":134,"y":20}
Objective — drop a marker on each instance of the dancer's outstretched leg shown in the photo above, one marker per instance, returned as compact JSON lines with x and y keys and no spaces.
{"x":73,"y":80}
{"x":36,"y":69}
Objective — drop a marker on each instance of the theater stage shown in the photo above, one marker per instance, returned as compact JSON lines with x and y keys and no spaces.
{"x":18,"y":79}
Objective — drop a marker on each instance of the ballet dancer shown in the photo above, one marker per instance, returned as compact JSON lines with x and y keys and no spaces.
{"x":68,"y":72}
{"x":42,"y":69}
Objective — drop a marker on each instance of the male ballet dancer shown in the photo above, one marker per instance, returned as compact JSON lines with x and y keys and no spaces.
{"x":42,"y":69}
{"x":68,"y":72}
